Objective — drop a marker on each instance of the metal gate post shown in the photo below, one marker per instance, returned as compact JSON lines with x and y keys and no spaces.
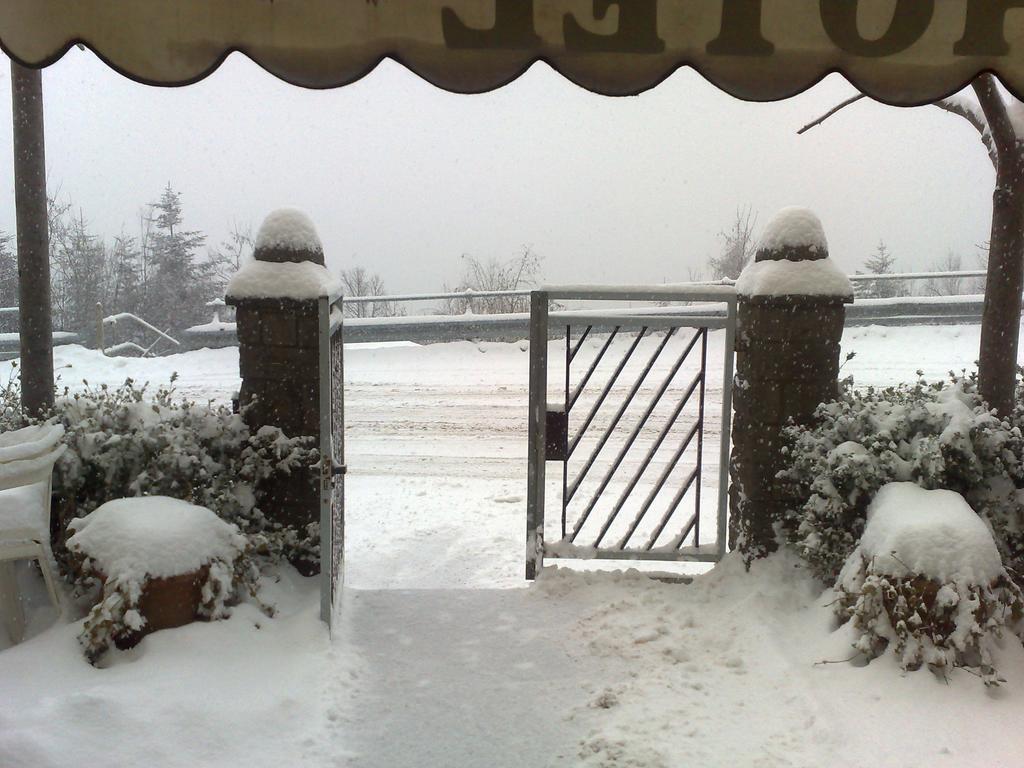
{"x":724,"y":453}
{"x":326,"y":461}
{"x":538,"y":406}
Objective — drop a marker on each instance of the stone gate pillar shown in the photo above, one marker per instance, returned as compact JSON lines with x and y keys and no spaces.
{"x":275,"y":297}
{"x":791,"y":308}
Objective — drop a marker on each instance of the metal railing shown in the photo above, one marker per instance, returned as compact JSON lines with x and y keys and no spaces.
{"x":112,"y":321}
{"x":470,"y":295}
{"x":429,"y":327}
{"x":10,"y":341}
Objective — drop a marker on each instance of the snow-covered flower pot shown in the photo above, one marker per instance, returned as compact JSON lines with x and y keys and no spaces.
{"x":927,"y":579}
{"x":161,"y":562}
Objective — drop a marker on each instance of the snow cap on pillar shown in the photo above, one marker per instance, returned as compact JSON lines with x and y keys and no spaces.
{"x":288,"y":262}
{"x":288,"y":234}
{"x":792,"y":260}
{"x":795,"y":234}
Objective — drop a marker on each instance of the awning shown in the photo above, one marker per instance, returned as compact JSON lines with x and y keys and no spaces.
{"x":904,"y":52}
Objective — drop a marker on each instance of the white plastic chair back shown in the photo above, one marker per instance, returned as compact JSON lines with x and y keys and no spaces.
{"x":27,"y":457}
{"x":29,"y":442}
{"x":37,"y":471}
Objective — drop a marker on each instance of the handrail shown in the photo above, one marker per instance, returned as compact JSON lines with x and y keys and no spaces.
{"x":113,"y":320}
{"x":918,"y":275}
{"x":435,"y":296}
{"x":670,"y":287}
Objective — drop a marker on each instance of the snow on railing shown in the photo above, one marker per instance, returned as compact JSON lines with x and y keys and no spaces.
{"x":427,"y":326}
{"x":124,"y":346}
{"x":113,"y":320}
{"x":469,"y":294}
{"x":918,"y":275}
{"x":436,"y":296}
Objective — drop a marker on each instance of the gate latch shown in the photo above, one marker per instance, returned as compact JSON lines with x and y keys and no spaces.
{"x":556,"y":443}
{"x":335,"y":470}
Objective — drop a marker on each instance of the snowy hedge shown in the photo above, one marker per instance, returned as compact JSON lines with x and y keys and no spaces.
{"x":128,"y":441}
{"x":927,"y":580}
{"x":934,"y":435}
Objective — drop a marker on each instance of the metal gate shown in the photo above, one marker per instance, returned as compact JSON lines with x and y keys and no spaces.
{"x":332,"y":453}
{"x":631,"y":459}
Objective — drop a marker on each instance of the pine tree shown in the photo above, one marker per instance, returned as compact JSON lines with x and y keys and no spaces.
{"x":178,"y":284}
{"x":126,"y":291}
{"x":881,"y":262}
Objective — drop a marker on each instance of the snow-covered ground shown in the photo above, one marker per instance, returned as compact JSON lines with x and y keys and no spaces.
{"x":439,"y":663}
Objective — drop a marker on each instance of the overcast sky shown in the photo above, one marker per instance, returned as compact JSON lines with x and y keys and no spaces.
{"x":402,"y":178}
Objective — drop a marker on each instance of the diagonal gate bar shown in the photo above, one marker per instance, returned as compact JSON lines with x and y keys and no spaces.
{"x":632,"y":435}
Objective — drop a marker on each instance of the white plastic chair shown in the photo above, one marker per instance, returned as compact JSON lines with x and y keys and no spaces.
{"x":27,"y":457}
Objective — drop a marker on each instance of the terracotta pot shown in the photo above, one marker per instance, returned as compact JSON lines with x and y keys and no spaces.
{"x":167,"y":603}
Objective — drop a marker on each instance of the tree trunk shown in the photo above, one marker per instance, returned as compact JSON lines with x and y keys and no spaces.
{"x":36,"y":326}
{"x":1000,"y":325}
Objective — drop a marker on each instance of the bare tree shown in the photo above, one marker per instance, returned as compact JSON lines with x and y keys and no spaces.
{"x":8,"y":282}
{"x":80,"y":269}
{"x":947,"y":286}
{"x":358,"y":282}
{"x":515,"y":274}
{"x":738,"y":246}
{"x":228,"y":257}
{"x":992,"y":118}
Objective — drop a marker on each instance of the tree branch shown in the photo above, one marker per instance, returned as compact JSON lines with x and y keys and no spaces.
{"x":994,"y":107}
{"x":827,"y":115}
{"x":953,"y":106}
{"x":980,"y":123}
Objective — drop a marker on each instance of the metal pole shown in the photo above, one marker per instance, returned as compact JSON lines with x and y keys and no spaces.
{"x":538,"y":406}
{"x":101,"y":341}
{"x":36,"y":325}
{"x":565,"y":461}
{"x":326,"y":462}
{"x":723,"y":456}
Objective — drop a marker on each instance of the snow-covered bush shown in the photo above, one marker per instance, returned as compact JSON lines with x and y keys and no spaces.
{"x":126,"y":441}
{"x":927,"y":579}
{"x":125,"y":543}
{"x":935,"y":435}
